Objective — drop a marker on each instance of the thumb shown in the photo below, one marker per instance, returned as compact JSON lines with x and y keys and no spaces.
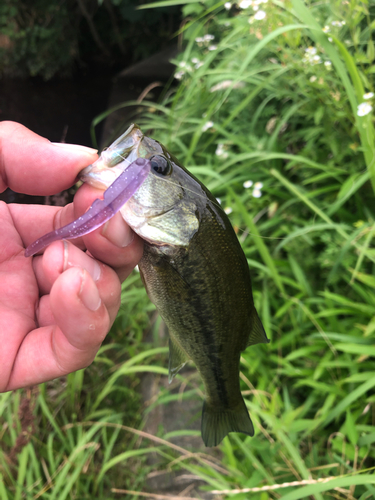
{"x":31,"y":164}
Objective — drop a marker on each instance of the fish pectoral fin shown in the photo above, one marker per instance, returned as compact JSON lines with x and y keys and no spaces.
{"x":257,"y":334}
{"x":216,"y":423}
{"x":177,"y":359}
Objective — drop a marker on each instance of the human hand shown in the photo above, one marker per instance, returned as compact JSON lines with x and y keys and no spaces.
{"x":56,"y":308}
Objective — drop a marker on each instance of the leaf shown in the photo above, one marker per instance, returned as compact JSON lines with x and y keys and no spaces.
{"x":370,"y":50}
{"x":166,"y":3}
{"x":350,"y":428}
{"x":348,"y":400}
{"x":367,"y":279}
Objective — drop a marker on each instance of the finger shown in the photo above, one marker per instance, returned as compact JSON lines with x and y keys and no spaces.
{"x":82,"y":321}
{"x":44,"y":313}
{"x":33,"y":221}
{"x":57,"y":258}
{"x":61,"y":256}
{"x":114,"y":243}
{"x":31,"y":164}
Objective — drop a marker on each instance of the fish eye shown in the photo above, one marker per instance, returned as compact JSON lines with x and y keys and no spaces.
{"x":160,"y":165}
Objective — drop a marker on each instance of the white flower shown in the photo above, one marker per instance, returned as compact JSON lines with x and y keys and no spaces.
{"x":212,"y":47}
{"x":311,"y":51}
{"x":228,"y":5}
{"x":228,"y":210}
{"x":207,"y":125}
{"x":260,"y":15}
{"x":218,"y":200}
{"x":204,"y":40}
{"x":197,"y":63}
{"x":179,"y":75}
{"x":257,"y":193}
{"x":369,"y":95}
{"x":136,"y":269}
{"x":258,"y":185}
{"x":245,"y":4}
{"x":247,"y":184}
{"x":311,"y":56}
{"x":313,"y":79}
{"x":364,"y":109}
{"x":330,"y":39}
{"x":326,"y":29}
{"x":338,"y":23}
{"x":328,"y":64}
{"x":184,"y":65}
{"x":221,"y":152}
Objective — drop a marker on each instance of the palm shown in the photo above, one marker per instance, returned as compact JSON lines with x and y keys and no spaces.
{"x":19,"y":292}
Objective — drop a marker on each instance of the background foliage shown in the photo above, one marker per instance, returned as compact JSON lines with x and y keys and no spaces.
{"x":279,"y":94}
{"x":53,"y":37}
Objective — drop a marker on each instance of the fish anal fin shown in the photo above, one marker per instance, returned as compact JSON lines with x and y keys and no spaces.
{"x":216,"y":424}
{"x":177,"y":359}
{"x":257,"y":334}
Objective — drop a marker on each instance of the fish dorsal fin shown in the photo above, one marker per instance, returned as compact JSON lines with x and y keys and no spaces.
{"x":177,"y":359}
{"x":257,"y":334}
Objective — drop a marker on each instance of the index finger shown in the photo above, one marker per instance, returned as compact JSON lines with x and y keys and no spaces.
{"x":31,"y":164}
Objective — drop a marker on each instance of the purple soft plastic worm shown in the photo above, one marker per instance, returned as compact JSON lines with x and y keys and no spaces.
{"x":100,"y":211}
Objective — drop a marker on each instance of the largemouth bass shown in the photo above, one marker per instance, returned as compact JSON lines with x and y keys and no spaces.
{"x":195,"y":273}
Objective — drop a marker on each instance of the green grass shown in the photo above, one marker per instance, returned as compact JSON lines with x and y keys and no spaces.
{"x":293,"y":126}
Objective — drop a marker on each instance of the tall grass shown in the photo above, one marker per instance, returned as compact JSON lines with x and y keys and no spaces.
{"x":256,"y":107}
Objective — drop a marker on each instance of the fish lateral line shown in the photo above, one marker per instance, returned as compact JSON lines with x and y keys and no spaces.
{"x":101,"y":210}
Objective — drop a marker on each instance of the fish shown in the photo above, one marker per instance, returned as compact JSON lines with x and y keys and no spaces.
{"x":194,"y":271}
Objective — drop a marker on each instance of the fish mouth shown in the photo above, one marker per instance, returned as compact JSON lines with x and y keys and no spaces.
{"x":115,"y":159}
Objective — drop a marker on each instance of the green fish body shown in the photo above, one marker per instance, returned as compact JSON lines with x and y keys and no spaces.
{"x":196,"y":274}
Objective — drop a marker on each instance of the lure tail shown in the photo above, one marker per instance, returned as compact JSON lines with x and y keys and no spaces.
{"x":217,"y":423}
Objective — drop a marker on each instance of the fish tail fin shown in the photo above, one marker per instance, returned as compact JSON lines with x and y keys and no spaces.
{"x":217,"y":423}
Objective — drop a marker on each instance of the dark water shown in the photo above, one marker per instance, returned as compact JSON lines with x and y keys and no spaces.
{"x":56,"y":110}
{"x":61,"y":111}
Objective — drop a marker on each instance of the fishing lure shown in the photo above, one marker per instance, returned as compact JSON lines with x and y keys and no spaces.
{"x":100,"y":211}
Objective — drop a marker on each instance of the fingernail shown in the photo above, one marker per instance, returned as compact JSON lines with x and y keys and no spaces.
{"x":88,"y":293}
{"x":118,"y":232}
{"x":75,"y":148}
{"x":74,"y":257}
